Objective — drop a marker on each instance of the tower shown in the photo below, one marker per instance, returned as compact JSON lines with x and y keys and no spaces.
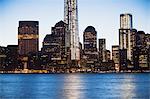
{"x":127,"y":34}
{"x":28,"y":40}
{"x":90,"y":45}
{"x":102,"y":50}
{"x":28,"y":37}
{"x":126,"y":21}
{"x":71,"y":18}
{"x":127,"y":41}
{"x":125,"y":30}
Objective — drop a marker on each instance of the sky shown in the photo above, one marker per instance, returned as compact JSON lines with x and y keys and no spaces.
{"x":104,"y":15}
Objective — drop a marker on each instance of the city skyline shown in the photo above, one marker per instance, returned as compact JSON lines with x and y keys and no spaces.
{"x":105,"y":23}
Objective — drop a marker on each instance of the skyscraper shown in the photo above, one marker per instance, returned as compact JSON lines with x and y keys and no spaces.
{"x":71,"y":18}
{"x":125,"y":30}
{"x":127,"y":35}
{"x":142,"y":51}
{"x":90,"y":44}
{"x":28,"y":37}
{"x":102,"y":50}
{"x":54,"y":43}
{"x":126,"y":21}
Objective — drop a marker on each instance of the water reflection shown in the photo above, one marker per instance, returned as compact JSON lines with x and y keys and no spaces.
{"x":128,"y":87}
{"x":73,"y":85}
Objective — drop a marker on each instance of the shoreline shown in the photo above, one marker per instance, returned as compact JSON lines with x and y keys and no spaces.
{"x":101,"y":72}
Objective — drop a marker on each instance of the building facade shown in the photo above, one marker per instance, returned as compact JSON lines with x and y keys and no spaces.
{"x":28,"y":37}
{"x":127,"y":38}
{"x":90,"y":45}
{"x":9,"y":59}
{"x":102,"y":50}
{"x":123,"y":60}
{"x":142,"y":51}
{"x":126,"y":21}
{"x":71,"y":18}
{"x":115,"y":56}
{"x":108,"y":55}
{"x":2,"y":57}
{"x":54,"y":44}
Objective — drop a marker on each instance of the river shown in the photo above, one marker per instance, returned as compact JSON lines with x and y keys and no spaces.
{"x":75,"y":86}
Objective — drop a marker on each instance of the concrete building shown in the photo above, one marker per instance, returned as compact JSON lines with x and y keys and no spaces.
{"x":102,"y":50}
{"x":141,"y":51}
{"x":123,"y":63}
{"x":140,"y":39}
{"x":2,"y":57}
{"x":81,"y":50}
{"x":71,"y":18}
{"x":126,"y":21}
{"x":147,"y":40}
{"x":108,"y":55}
{"x":9,"y":59}
{"x":12,"y":58}
{"x":28,"y":37}
{"x":127,"y":37}
{"x":90,"y":45}
{"x":54,"y":44}
{"x":147,"y":43}
{"x":115,"y":56}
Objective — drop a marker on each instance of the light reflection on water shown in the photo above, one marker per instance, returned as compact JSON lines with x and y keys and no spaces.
{"x":129,"y":87}
{"x":74,"y":86}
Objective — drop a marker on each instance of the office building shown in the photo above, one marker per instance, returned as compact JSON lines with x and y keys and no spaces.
{"x":12,"y":58}
{"x":141,"y":51}
{"x":28,"y":37}
{"x":54,"y":44}
{"x":115,"y":56}
{"x":123,"y":63}
{"x":108,"y":55}
{"x":90,"y":44}
{"x":102,"y":50}
{"x":9,"y":58}
{"x":2,"y":57}
{"x":126,"y":21}
{"x":71,"y":18}
{"x":127,"y":37}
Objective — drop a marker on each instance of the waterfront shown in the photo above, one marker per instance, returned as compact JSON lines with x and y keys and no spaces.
{"x":75,"y":86}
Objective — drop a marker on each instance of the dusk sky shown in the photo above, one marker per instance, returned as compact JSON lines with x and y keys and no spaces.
{"x":102,"y":14}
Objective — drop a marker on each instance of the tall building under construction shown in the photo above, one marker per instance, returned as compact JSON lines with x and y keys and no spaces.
{"x":71,"y":19}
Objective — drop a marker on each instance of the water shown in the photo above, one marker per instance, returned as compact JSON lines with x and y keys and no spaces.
{"x":75,"y":86}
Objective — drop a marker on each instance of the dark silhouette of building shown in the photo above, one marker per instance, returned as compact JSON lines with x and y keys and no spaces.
{"x":2,"y":57}
{"x":123,"y":59}
{"x":140,"y":39}
{"x":28,"y":37}
{"x":12,"y":57}
{"x":141,"y":51}
{"x":37,"y":61}
{"x":9,"y":58}
{"x":81,"y":50}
